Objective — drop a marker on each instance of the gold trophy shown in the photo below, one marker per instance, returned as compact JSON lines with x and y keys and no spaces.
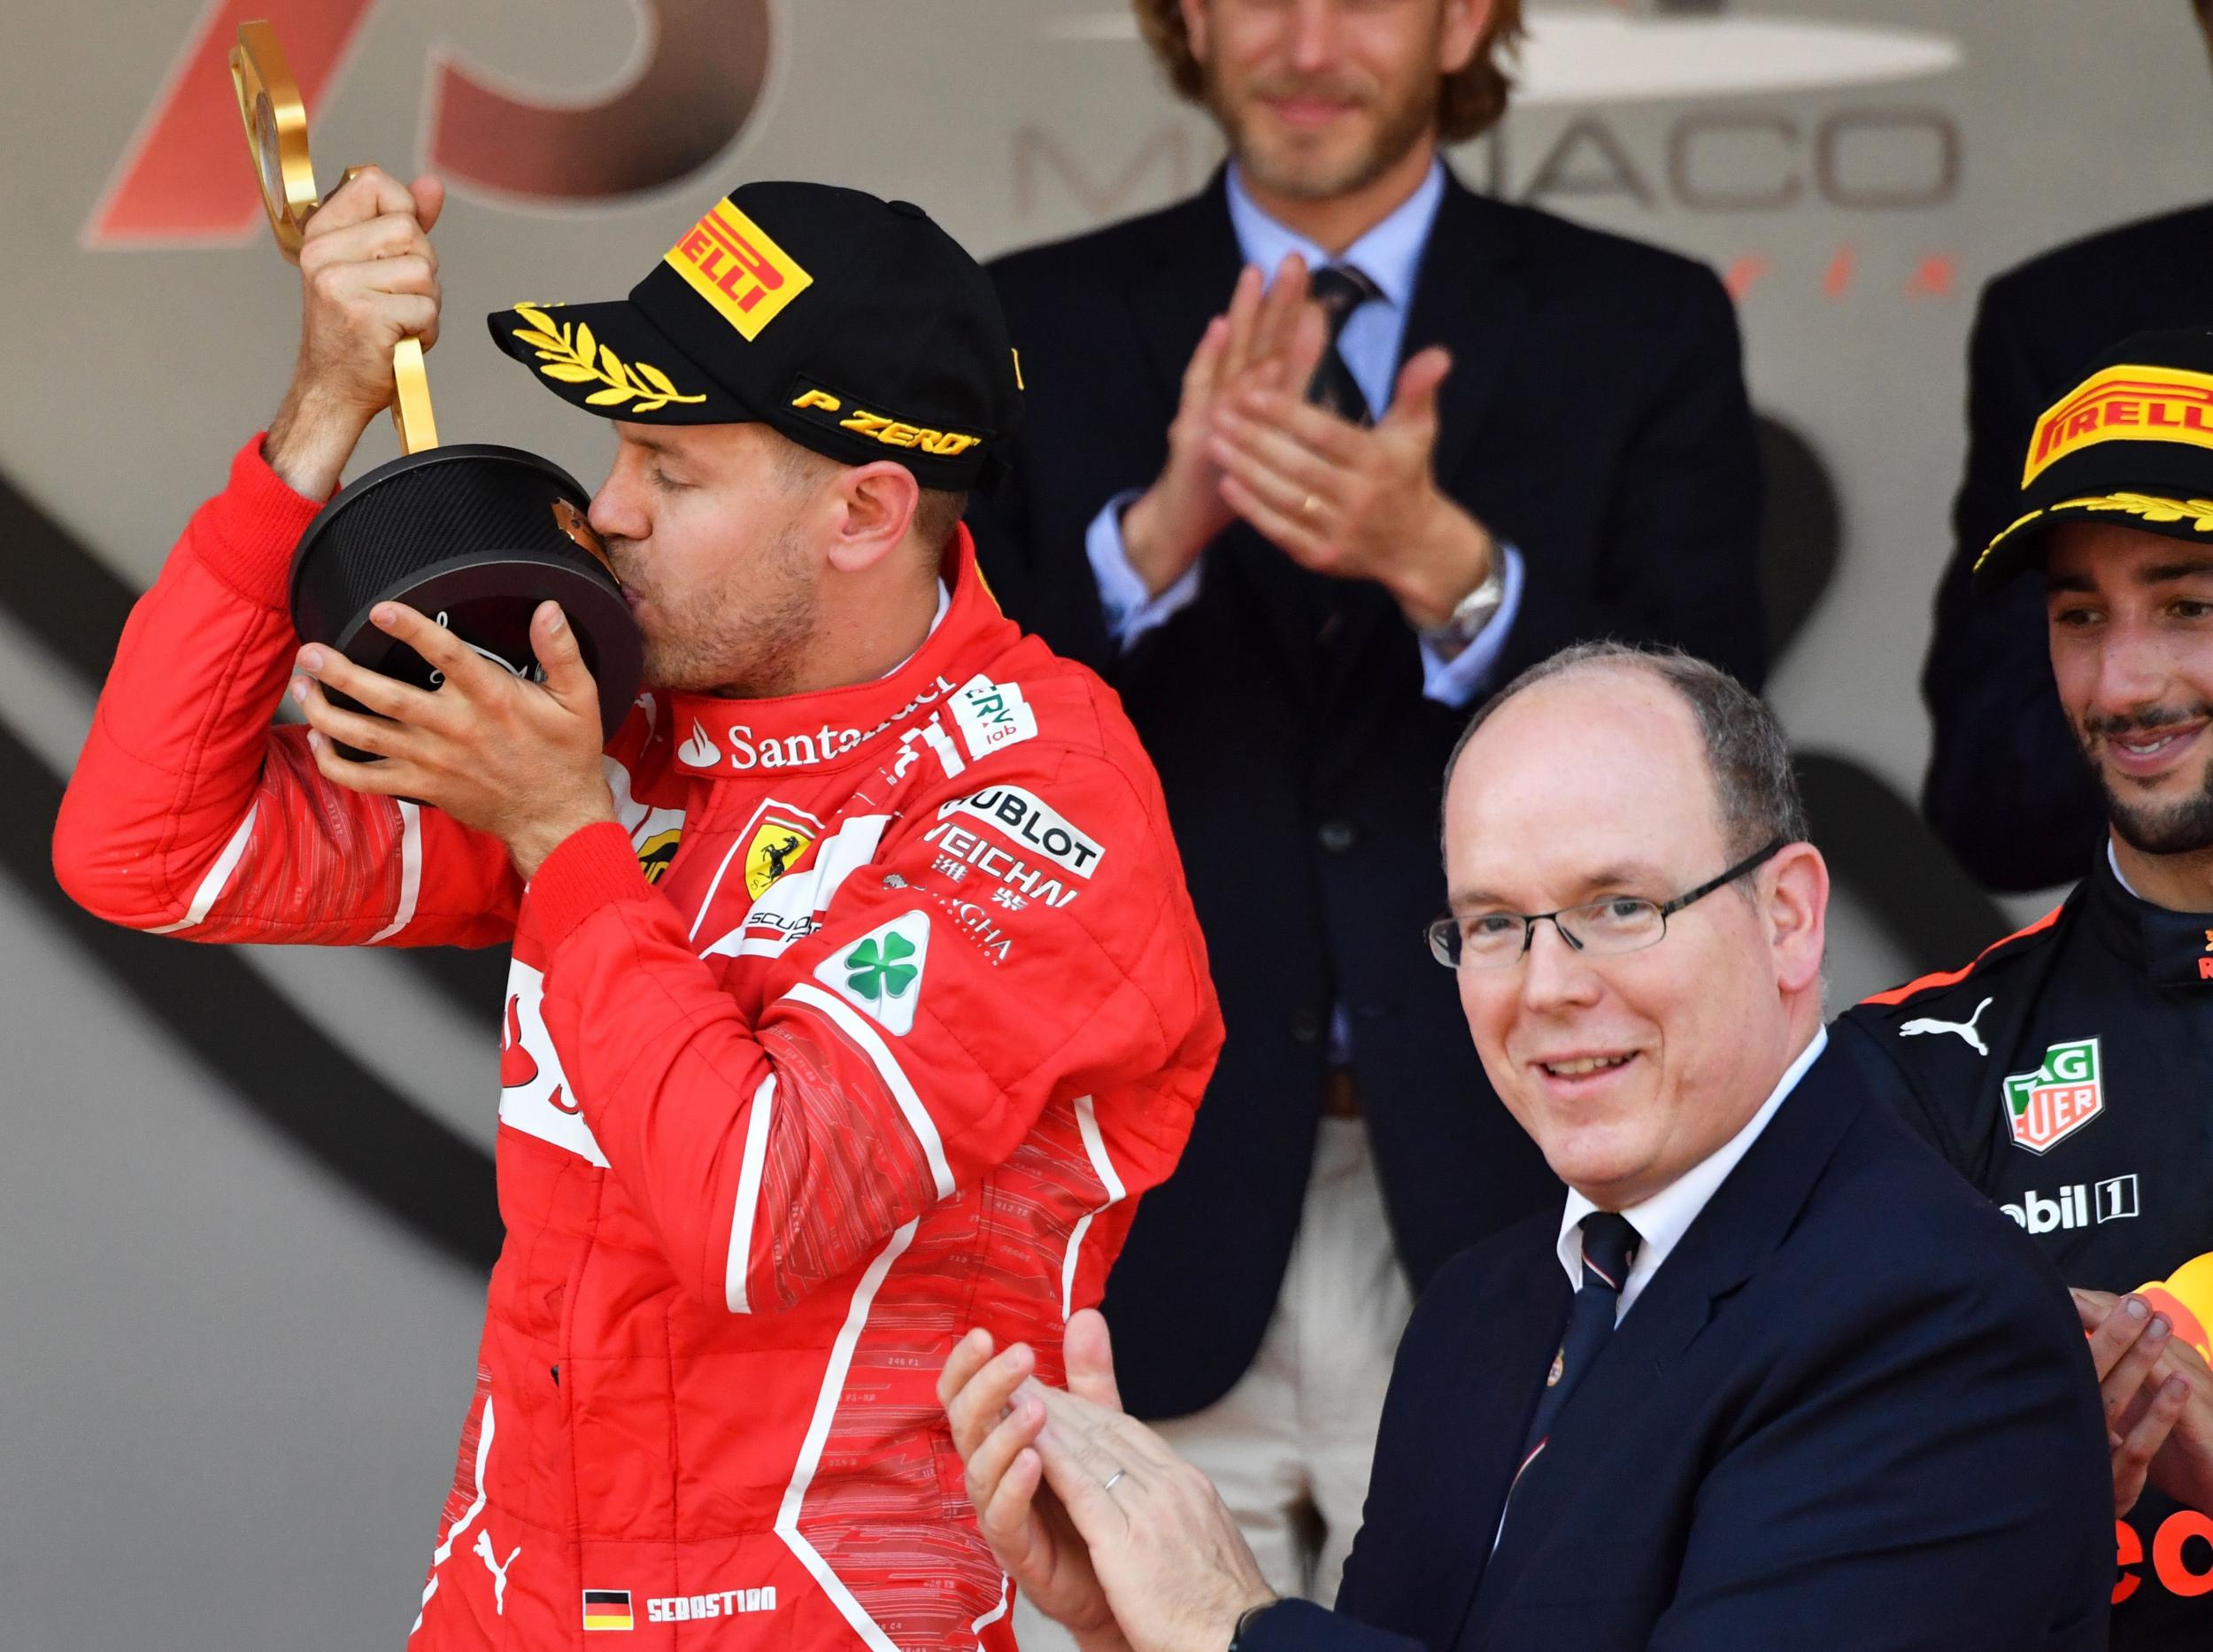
{"x":276,"y":131}
{"x":474,"y":535}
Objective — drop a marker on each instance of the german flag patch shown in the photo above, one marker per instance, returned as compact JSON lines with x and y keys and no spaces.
{"x":608,"y":1609}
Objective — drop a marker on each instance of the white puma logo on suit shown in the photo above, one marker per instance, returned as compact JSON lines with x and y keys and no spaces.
{"x":498,"y":1571}
{"x":1965,"y":1029}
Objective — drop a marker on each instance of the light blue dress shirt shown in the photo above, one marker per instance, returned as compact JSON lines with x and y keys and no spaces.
{"x":1389,"y":255}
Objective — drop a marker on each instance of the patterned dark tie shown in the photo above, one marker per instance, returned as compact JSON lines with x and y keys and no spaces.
{"x":1609,"y":1250}
{"x":1340,"y":289}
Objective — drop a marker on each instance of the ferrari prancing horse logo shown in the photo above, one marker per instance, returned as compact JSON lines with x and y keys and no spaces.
{"x":778,"y":841}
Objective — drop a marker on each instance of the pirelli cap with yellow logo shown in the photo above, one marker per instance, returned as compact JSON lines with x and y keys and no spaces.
{"x":855,"y":327}
{"x":2131,"y":443}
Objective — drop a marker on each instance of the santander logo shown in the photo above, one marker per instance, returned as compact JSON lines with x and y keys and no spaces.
{"x":699,"y":751}
{"x":804,"y":748}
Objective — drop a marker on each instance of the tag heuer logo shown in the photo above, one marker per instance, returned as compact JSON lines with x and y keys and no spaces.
{"x":882,"y":972}
{"x":2052,"y":1103}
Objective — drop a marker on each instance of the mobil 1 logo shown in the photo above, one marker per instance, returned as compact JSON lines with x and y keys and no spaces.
{"x":2081,"y":1205}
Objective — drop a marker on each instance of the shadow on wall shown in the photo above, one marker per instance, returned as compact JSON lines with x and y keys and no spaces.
{"x":375,"y":1140}
{"x":1879,"y":849}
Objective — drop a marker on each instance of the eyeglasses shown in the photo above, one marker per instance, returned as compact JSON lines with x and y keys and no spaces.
{"x":1620,"y":923}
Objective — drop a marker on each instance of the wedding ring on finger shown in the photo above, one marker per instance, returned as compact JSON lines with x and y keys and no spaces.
{"x":1308,"y":505}
{"x":1116,"y":1479}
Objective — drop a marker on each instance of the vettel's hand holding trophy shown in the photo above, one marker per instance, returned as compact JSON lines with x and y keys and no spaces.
{"x":471,"y":540}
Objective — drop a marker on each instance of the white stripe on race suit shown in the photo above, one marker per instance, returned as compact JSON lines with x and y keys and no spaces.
{"x":749,"y":1195}
{"x":1095,"y":1144}
{"x":212,"y":886}
{"x":410,"y":871}
{"x":818,"y":1431}
{"x":854,"y":1026}
{"x":708,"y":903}
{"x":445,"y":1551}
{"x":1005,"y":1600}
{"x":941,"y":743}
{"x":853,"y":847}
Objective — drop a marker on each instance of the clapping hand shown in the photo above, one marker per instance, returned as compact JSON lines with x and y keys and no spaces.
{"x":1103,"y":1526}
{"x":2158,"y":1399}
{"x":1271,"y":336}
{"x":1349,"y":502}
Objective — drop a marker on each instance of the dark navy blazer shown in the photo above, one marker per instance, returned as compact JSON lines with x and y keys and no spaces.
{"x":1853,"y":1409}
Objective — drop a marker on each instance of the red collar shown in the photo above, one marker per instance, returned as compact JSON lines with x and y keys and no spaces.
{"x":838,"y":727}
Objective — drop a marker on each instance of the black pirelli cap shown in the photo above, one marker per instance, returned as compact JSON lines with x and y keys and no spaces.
{"x":2131,"y":443}
{"x":854,"y":325}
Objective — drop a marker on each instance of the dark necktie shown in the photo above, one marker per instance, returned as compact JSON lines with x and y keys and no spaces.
{"x":1609,"y":1249}
{"x":1340,"y":289}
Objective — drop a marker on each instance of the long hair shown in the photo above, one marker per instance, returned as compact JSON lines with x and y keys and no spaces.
{"x":1468,"y":102}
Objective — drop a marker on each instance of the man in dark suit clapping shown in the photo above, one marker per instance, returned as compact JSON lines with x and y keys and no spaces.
{"x":1301,"y":526}
{"x":1771,"y":1376}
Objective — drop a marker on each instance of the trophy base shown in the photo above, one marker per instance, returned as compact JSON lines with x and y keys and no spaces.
{"x":474,"y":537}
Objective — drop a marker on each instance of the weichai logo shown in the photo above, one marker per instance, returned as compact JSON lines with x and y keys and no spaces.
{"x":2124,"y":404}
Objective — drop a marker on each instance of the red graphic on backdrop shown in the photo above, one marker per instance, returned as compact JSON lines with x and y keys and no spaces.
{"x":185,"y":180}
{"x":704,"y":61}
{"x":185,"y":176}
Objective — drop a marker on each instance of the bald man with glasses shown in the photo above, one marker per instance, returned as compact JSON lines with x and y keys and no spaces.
{"x":1619,"y":923}
{"x":1771,"y":1376}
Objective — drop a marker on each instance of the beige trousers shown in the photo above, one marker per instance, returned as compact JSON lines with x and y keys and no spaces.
{"x":1289,"y":1447}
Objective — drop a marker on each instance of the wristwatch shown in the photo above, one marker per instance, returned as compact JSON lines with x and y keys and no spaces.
{"x":1465,"y":621}
{"x":1245,"y":1620}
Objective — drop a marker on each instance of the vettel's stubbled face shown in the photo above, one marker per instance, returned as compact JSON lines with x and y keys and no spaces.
{"x":2131,"y":619}
{"x":700,"y":524}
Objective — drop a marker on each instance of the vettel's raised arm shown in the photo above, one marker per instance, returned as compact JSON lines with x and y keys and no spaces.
{"x":856,"y":996}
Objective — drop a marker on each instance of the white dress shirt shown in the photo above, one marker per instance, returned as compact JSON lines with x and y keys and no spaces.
{"x":1663,"y":1219}
{"x":2113,"y":859}
{"x":1390,"y":255}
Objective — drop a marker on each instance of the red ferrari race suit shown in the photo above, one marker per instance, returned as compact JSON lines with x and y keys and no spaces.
{"x":869,"y":1022}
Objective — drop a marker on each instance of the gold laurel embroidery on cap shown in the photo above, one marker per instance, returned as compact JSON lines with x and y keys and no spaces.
{"x":572,"y":356}
{"x":2151,"y":507}
{"x":2001,"y":536}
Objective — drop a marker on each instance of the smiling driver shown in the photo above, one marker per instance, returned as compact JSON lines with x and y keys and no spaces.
{"x":2065,"y":1071}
